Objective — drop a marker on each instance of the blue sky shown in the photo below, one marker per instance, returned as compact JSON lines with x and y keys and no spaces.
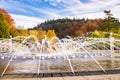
{"x":29,"y":13}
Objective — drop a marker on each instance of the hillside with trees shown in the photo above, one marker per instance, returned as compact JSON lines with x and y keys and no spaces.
{"x":77,"y":27}
{"x":60,"y":27}
{"x":72,"y":27}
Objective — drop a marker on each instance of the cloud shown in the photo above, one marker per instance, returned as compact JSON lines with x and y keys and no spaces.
{"x":92,"y":9}
{"x":26,"y":21}
{"x":48,"y":13}
{"x":21,"y":7}
{"x":63,"y":8}
{"x":26,"y":14}
{"x":54,"y":9}
{"x":78,"y":7}
{"x":53,"y":2}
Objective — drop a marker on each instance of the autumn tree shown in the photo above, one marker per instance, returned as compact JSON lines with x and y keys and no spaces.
{"x":33,"y":32}
{"x":41,"y":34}
{"x":4,"y":30}
{"x":50,"y":34}
{"x":9,"y":22}
{"x":22,"y":32}
{"x":97,"y":34}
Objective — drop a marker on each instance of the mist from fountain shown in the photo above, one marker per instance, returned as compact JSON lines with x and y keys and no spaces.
{"x":60,"y":47}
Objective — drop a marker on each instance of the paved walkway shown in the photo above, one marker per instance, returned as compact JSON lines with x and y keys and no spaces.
{"x":90,"y":77}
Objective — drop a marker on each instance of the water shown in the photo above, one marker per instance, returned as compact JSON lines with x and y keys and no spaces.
{"x":59,"y":65}
{"x":89,"y":54}
{"x":3,"y":63}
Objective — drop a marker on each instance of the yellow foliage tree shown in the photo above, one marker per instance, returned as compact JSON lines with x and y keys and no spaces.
{"x":118,"y":31}
{"x":50,"y":34}
{"x":41,"y":34}
{"x":97,"y":34}
{"x":33,"y":32}
{"x":22,"y":33}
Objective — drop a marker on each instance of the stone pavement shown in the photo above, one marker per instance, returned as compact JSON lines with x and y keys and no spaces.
{"x":89,"y":77}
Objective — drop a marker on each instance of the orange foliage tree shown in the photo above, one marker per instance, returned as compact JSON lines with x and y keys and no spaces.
{"x":9,"y":22}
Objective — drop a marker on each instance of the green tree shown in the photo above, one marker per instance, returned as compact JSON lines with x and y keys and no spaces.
{"x":4,"y":30}
{"x":110,"y":23}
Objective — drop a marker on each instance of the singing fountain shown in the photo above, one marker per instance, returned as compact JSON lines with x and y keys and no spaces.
{"x":59,"y":55}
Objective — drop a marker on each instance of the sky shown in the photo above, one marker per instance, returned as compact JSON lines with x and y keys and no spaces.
{"x":29,"y":13}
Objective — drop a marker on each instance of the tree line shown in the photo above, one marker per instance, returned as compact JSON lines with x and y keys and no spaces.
{"x":77,"y":27}
{"x":60,"y":27}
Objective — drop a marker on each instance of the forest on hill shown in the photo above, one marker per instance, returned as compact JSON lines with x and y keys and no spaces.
{"x":60,"y":27}
{"x":77,"y":27}
{"x":71,"y":27}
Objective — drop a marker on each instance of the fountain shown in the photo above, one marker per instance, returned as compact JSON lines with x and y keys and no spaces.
{"x":67,"y":50}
